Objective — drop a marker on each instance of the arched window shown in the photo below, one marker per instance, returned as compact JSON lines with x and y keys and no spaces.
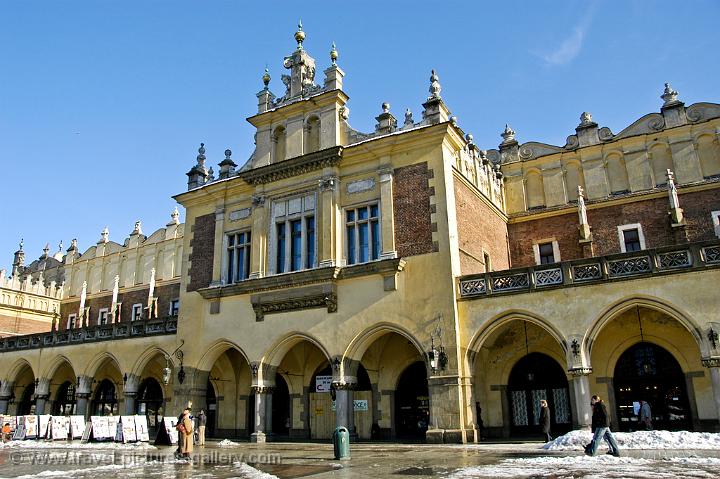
{"x":617,"y":174}
{"x":661,"y":161}
{"x":278,"y":146}
{"x":709,"y":154}
{"x":312,"y":134}
{"x":534,"y":190}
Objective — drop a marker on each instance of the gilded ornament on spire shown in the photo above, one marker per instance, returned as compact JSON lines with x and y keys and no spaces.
{"x":299,"y":36}
{"x":333,"y":54}
{"x":266,"y":78}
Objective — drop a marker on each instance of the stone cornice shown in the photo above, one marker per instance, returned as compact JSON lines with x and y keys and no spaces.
{"x":293,"y":167}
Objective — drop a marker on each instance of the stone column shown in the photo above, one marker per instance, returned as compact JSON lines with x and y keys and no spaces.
{"x":387,"y":213}
{"x":130,"y":392}
{"x":258,"y":239}
{"x":260,"y":413}
{"x":446,"y":412}
{"x":713,"y":365}
{"x":344,"y":413}
{"x":6,"y":390}
{"x":83,"y":390}
{"x":42,"y":394}
{"x":328,"y":232}
{"x":505,"y":408}
{"x":269,"y":412}
{"x":581,"y":414}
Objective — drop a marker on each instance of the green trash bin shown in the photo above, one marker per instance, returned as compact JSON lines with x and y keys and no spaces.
{"x":341,"y":443}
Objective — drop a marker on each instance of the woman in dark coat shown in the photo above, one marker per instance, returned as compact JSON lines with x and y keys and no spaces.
{"x":545,"y":420}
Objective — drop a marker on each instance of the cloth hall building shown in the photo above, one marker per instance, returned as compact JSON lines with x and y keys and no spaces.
{"x":403,"y":282}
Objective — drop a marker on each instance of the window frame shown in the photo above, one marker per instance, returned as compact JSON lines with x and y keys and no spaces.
{"x":173,"y":311}
{"x":627,"y":227}
{"x":247,"y":252}
{"x":355,"y":224}
{"x":136,"y":307}
{"x":106,"y":312}
{"x":555,"y":247}
{"x":72,"y":318}
{"x":283,"y":223}
{"x":715,"y":215}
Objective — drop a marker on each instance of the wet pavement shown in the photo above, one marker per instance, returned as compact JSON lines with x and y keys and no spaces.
{"x":314,"y":460}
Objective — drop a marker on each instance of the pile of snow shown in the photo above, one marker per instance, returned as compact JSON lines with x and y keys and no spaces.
{"x":227,"y":443}
{"x":603,"y":466}
{"x":576,"y":440}
{"x":250,"y":472}
{"x":33,"y":444}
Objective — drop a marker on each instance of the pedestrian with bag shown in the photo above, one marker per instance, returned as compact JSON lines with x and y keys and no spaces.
{"x":601,"y":428}
{"x":185,"y":433}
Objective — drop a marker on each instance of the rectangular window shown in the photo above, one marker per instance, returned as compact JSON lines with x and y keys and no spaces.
{"x":72,"y":321}
{"x":136,"y":312}
{"x":716,"y":222}
{"x":174,"y":307}
{"x":238,"y":257}
{"x":631,"y":237}
{"x":310,"y":242}
{"x":293,"y":242}
{"x":103,"y":316}
{"x":362,"y":231}
{"x":546,"y":253}
{"x":280,"y":266}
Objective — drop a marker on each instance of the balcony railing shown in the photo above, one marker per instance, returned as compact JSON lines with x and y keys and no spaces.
{"x":666,"y":260}
{"x":91,"y":334}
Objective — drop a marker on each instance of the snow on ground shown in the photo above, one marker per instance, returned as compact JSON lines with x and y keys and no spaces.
{"x":597,"y":467}
{"x":250,"y":472}
{"x":227,"y":443}
{"x":132,"y":446}
{"x":576,"y":440}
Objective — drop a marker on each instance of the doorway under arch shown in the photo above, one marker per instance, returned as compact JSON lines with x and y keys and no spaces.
{"x":26,"y":406}
{"x":150,"y":403}
{"x":534,"y":377}
{"x":412,"y":403}
{"x":650,"y":373}
{"x":64,"y":404}
{"x":105,"y":400}
{"x":281,"y":408}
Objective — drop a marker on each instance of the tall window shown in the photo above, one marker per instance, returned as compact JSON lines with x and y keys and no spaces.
{"x":72,"y":321}
{"x":362,"y":226}
{"x":546,"y":253}
{"x":238,"y":256}
{"x":294,"y":234}
{"x":103,"y":316}
{"x":136,"y":312}
{"x":631,"y":237}
{"x":632,"y":240}
{"x":174,"y":307}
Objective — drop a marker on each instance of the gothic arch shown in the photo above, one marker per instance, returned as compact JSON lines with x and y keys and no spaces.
{"x":362,"y":341}
{"x":98,"y":361}
{"x":145,"y":357}
{"x":275,"y":354}
{"x":215,"y":350}
{"x":646,"y":302}
{"x":55,"y":364}
{"x":17,"y":368}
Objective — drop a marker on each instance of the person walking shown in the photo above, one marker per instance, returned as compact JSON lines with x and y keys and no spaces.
{"x":601,"y":428}
{"x":645,"y":416}
{"x":545,"y":420}
{"x":202,"y":422}
{"x":185,"y":429}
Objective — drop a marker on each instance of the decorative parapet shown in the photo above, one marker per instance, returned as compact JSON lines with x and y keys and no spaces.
{"x":651,"y":262}
{"x":294,"y":166}
{"x":90,"y":334}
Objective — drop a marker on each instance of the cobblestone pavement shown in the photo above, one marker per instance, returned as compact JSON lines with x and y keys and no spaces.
{"x":314,"y":460}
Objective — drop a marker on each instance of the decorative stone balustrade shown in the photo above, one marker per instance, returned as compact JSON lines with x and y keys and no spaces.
{"x":617,"y":267}
{"x":91,"y":334}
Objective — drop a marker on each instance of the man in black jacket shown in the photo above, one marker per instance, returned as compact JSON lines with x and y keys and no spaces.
{"x":601,"y":428}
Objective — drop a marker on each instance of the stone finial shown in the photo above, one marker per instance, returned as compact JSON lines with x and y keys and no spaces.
{"x":201,"y":155}
{"x":22,"y":243}
{"x":333,"y":54}
{"x":104,"y":235}
{"x":175,"y":216}
{"x":470,"y":140}
{"x":137,"y":230}
{"x":211,"y":174}
{"x":60,"y":246}
{"x":676,"y":213}
{"x":46,"y":250}
{"x":228,"y":154}
{"x":385,"y":107}
{"x":508,"y":134}
{"x":408,"y":118}
{"x":73,"y":245}
{"x":386,"y":122}
{"x":18,"y":260}
{"x":435,"y":87}
{"x":299,"y":36}
{"x":586,"y":118}
{"x":669,"y":95}
{"x":266,"y":78}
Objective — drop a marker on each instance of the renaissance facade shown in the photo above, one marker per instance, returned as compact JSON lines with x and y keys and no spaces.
{"x":402,"y":282}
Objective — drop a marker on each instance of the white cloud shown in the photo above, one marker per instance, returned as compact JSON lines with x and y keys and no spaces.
{"x":568,"y":49}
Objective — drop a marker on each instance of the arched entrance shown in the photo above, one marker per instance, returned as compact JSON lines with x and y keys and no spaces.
{"x":534,"y":377}
{"x":150,"y":403}
{"x":105,"y":400}
{"x":211,"y":411}
{"x":650,"y":373}
{"x":281,"y":408}
{"x":23,"y":393}
{"x":412,"y":403}
{"x":64,"y":404}
{"x":26,"y":406}
{"x":227,"y":394}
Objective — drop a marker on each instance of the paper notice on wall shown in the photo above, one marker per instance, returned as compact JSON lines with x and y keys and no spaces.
{"x":60,"y":427}
{"x":322,"y":384}
{"x":141,"y":428}
{"x":128,"y":429}
{"x":77,"y":426}
{"x":31,"y":426}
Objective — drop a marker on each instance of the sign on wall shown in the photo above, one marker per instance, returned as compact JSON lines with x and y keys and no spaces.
{"x":322,"y":384}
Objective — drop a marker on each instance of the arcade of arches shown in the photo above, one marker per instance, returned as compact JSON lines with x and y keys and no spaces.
{"x":383,"y":388}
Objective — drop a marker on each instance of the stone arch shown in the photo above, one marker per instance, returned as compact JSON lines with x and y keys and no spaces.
{"x":279,"y":144}
{"x":660,"y":160}
{"x":145,"y":357}
{"x":215,"y":350}
{"x":708,"y":151}
{"x":18,"y":366}
{"x":96,"y":363}
{"x":649,"y":302}
{"x":275,"y":353}
{"x":534,"y":189}
{"x":55,"y":364}
{"x":362,"y":341}
{"x":312,"y":134}
{"x":617,"y":172}
{"x":573,"y":178}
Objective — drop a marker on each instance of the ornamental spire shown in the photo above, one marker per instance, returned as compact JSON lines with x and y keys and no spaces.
{"x":333,"y":54}
{"x":299,"y":36}
{"x":435,"y":87}
{"x":266,"y":78}
{"x":669,"y":95}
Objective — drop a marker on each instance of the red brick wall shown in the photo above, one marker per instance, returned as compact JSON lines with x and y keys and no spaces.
{"x":412,"y":210}
{"x":203,"y":249}
{"x":11,"y":325}
{"x":480,"y":229}
{"x":652,"y":214}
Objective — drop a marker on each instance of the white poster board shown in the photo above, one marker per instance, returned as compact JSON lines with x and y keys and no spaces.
{"x":100,"y":429}
{"x":44,"y":427}
{"x":77,"y":426}
{"x":113,"y":422}
{"x":141,"y":428}
{"x":31,"y":426}
{"x":60,"y":427}
{"x":128,"y":429}
{"x":169,"y":423}
{"x":322,"y":384}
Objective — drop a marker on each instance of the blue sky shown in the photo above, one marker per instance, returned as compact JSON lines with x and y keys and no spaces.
{"x":103,"y":103}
